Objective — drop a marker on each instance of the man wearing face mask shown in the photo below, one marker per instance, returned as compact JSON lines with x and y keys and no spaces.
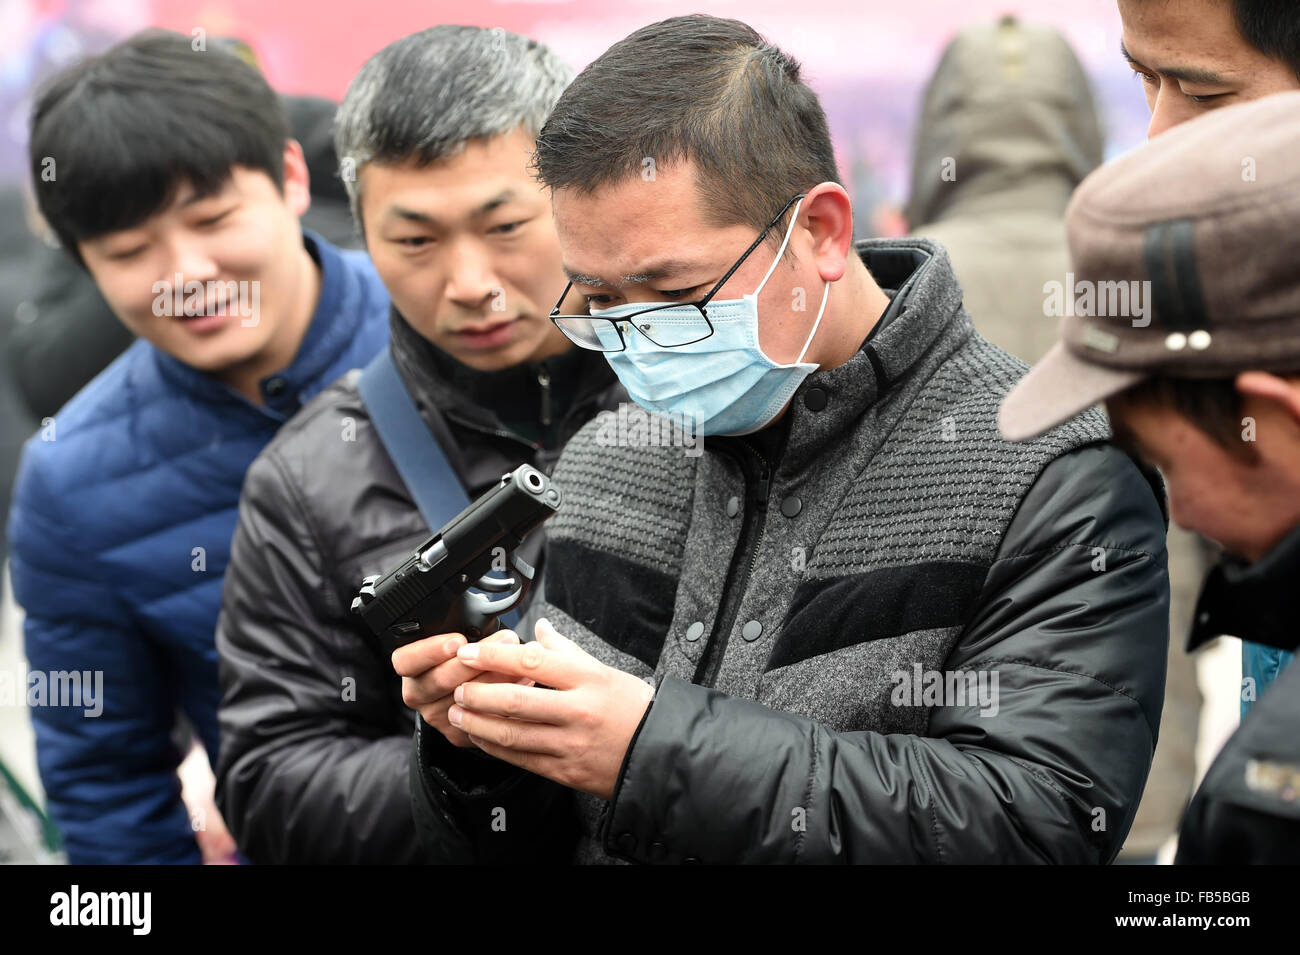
{"x":860,"y":627}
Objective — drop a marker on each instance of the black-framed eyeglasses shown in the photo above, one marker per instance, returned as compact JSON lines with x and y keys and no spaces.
{"x":668,"y":330}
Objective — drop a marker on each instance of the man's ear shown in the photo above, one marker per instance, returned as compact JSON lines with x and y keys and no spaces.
{"x":297,"y":180}
{"x":1284,"y":392}
{"x":827,"y":212}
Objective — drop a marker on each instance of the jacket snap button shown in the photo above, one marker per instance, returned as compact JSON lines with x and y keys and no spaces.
{"x":695,"y":631}
{"x":657,"y":850}
{"x":752,"y":630}
{"x":627,"y":842}
{"x":733,"y":507}
{"x":814,"y":399}
{"x":275,"y":387}
{"x":791,"y":506}
{"x":691,"y":860}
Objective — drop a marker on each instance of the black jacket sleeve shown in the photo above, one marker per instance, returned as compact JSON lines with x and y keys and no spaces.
{"x":1246,"y":811}
{"x":1073,"y":620}
{"x":314,"y":750}
{"x":471,"y":808}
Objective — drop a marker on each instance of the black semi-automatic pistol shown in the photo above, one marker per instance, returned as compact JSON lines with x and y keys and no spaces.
{"x":431,"y":591}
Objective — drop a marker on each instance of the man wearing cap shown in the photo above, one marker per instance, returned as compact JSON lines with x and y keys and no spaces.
{"x":1202,"y":380}
{"x":1193,"y":57}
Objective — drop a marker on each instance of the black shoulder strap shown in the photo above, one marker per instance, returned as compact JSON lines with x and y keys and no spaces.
{"x":415,"y":452}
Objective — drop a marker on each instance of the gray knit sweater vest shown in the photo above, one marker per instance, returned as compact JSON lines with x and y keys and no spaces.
{"x":904,"y":490}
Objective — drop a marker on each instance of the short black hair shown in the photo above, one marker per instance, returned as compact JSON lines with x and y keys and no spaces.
{"x":701,"y":88}
{"x":1272,"y":27}
{"x":115,"y":136}
{"x":1213,"y":405}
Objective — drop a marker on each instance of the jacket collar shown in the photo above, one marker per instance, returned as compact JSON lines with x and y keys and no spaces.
{"x":923,"y":324}
{"x":435,"y":378}
{"x":334,"y":324}
{"x":1259,"y":602}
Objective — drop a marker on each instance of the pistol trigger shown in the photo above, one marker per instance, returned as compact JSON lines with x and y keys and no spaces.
{"x":487,"y":607}
{"x":496,"y":585}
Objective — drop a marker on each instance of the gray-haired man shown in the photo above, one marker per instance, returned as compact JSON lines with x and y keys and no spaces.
{"x":434,"y":137}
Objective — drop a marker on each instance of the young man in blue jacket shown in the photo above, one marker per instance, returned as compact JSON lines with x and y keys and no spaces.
{"x":168,"y":172}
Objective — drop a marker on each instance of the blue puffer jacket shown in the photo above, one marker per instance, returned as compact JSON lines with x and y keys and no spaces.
{"x":120,"y":532}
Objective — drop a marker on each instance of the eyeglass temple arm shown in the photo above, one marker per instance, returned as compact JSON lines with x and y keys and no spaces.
{"x":757,"y":242}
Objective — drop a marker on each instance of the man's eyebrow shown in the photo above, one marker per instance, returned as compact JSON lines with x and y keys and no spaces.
{"x":1187,"y":74}
{"x":197,"y":196}
{"x":660,"y":270}
{"x":412,"y":215}
{"x":500,"y":199}
{"x":478,"y":212}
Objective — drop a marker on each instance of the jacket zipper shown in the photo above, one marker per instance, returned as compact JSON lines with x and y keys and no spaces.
{"x":579,"y":406}
{"x":544,"y":379}
{"x":706,"y":672}
{"x":498,"y":432}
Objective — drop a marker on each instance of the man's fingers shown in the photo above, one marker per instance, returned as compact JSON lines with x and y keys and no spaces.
{"x":532,"y":660}
{"x":515,"y":735}
{"x":429,"y":652}
{"x":415,"y":658}
{"x":429,"y":686}
{"x":447,"y":676}
{"x":530,"y":703}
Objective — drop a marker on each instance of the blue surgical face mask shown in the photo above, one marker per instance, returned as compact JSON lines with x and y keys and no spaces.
{"x":724,"y":384}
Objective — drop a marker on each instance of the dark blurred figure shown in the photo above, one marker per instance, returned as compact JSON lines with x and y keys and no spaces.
{"x":1007,"y":130}
{"x":17,"y":262}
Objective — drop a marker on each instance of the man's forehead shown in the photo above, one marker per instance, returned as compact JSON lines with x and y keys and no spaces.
{"x":187,"y":193}
{"x":438,"y":193}
{"x":1191,"y":42}
{"x":184,"y":195}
